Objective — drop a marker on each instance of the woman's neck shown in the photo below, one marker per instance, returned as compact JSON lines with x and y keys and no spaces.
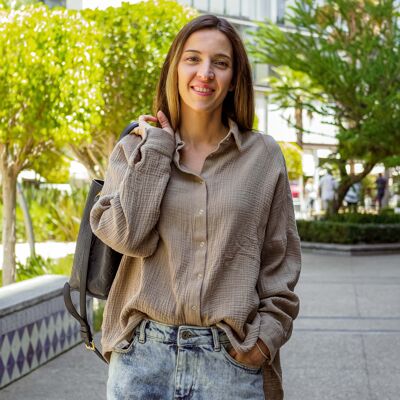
{"x":199,"y":130}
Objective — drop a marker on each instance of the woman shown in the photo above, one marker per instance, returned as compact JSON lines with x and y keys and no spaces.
{"x":201,"y":208}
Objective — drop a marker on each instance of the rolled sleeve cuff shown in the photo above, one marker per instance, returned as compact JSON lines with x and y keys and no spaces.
{"x":271,"y":334}
{"x":159,"y":140}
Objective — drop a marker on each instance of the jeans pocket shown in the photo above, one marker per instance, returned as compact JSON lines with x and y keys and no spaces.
{"x":125,"y":346}
{"x":225,"y":347}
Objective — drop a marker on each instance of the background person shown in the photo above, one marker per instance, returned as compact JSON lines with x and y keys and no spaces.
{"x":310,"y":196}
{"x":352,"y":196}
{"x":327,"y":191}
{"x":381,"y":183}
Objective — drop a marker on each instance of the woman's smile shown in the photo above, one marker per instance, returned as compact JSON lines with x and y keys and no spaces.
{"x":201,"y":91}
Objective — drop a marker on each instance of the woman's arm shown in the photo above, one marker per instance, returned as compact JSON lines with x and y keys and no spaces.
{"x":280,"y":267}
{"x":126,"y":213}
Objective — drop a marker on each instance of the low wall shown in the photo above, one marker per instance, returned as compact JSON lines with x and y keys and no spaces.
{"x":35,"y":325}
{"x":351,"y":249}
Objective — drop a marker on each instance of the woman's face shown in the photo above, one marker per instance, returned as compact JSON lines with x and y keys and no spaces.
{"x":205,"y":70}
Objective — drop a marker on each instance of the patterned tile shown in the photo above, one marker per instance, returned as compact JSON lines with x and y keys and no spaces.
{"x":29,"y":345}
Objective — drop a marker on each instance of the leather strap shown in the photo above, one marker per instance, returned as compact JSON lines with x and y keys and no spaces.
{"x":86,"y":333}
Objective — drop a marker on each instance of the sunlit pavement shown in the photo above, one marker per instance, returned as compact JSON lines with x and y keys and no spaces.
{"x":345,"y":343}
{"x":346,"y":340}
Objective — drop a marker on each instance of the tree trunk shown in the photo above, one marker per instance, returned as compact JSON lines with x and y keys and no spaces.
{"x":345,"y":184}
{"x":299,"y":124}
{"x":9,"y":222}
{"x":386,"y":197}
{"x":299,"y":139}
{"x":27,"y":219}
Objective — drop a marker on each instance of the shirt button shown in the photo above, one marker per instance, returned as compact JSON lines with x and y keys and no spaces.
{"x":201,"y":244}
{"x":201,"y":211}
{"x":200,"y":181}
{"x":194,"y":307}
{"x":199,"y":275}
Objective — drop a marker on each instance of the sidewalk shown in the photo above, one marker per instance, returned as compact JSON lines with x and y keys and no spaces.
{"x":345,"y":344}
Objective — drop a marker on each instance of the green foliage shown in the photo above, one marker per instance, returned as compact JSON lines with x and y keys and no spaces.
{"x":33,"y":266}
{"x":387,"y":216}
{"x":37,"y":265}
{"x":48,"y":82}
{"x":256,"y":122}
{"x":347,"y":48}
{"x":55,"y":214}
{"x":98,"y":311}
{"x":53,"y":166}
{"x":349,"y":51}
{"x":348,"y":233}
{"x":293,"y":158}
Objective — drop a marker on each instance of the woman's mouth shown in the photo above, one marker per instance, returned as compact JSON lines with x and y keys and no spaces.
{"x":202,"y":91}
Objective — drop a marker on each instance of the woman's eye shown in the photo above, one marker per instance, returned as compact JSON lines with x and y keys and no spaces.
{"x":191,"y":58}
{"x":223,"y":63}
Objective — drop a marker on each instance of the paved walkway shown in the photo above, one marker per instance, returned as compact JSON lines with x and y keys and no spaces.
{"x":345,"y":343}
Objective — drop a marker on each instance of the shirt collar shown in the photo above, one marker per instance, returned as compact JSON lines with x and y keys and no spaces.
{"x":233,"y":130}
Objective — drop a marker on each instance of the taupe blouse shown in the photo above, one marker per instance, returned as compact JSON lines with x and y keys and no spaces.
{"x":220,"y":248}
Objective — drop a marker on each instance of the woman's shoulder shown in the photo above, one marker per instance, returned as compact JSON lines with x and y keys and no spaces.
{"x":271,"y":145}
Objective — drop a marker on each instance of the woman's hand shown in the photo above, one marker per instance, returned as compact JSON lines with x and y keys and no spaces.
{"x":144,"y":123}
{"x":253,"y":357}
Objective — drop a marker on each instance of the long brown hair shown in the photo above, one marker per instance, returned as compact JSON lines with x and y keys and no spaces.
{"x":238,"y":104}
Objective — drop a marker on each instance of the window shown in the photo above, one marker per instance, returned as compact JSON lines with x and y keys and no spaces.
{"x":201,"y":4}
{"x":217,"y":6}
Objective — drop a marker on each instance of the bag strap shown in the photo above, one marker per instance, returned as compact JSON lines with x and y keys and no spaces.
{"x":86,"y":333}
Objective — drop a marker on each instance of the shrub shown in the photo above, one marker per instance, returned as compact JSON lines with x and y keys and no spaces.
{"x":327,"y":231}
{"x":387,"y":216}
{"x":37,"y":265}
{"x":55,"y":214}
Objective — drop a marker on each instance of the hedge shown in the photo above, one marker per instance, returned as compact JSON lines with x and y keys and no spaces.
{"x":348,"y":233}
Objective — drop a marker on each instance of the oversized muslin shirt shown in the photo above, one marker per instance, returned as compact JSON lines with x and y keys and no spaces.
{"x":216,"y":248}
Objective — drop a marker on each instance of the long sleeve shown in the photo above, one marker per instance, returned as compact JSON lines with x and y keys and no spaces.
{"x":280,"y":268}
{"x":128,"y":209}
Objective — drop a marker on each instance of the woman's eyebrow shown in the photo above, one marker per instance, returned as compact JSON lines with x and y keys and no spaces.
{"x":218,"y":54}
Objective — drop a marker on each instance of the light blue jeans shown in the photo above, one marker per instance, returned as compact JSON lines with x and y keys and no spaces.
{"x":167,"y":362}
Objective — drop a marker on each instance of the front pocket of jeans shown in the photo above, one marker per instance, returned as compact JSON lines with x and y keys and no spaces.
{"x":128,"y":348}
{"x":235,"y":363}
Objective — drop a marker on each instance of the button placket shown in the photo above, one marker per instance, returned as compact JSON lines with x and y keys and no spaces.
{"x":200,"y":249}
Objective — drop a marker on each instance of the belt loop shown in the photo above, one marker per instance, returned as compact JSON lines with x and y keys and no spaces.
{"x":142,"y":336}
{"x":217,"y":346}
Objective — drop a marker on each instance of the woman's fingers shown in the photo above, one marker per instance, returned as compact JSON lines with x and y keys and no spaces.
{"x":144,"y":123}
{"x":164,"y":122}
{"x":232,"y":352}
{"x":145,"y":118}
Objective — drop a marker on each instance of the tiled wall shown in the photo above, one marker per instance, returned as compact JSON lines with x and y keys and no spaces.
{"x":33,"y":335}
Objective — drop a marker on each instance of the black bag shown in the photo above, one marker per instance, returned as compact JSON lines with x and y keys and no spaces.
{"x":95,"y":264}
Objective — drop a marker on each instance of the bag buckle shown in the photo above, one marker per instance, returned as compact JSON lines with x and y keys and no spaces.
{"x":91,"y":346}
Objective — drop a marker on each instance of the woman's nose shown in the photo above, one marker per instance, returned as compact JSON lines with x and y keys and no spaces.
{"x":206,"y":74}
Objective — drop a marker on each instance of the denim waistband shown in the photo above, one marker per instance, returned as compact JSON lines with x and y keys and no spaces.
{"x":181,"y":335}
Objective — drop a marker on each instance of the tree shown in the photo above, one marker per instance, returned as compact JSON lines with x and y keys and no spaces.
{"x":289,"y":89}
{"x":293,"y":157}
{"x":134,"y":40}
{"x":48,"y":98}
{"x":349,"y":49}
